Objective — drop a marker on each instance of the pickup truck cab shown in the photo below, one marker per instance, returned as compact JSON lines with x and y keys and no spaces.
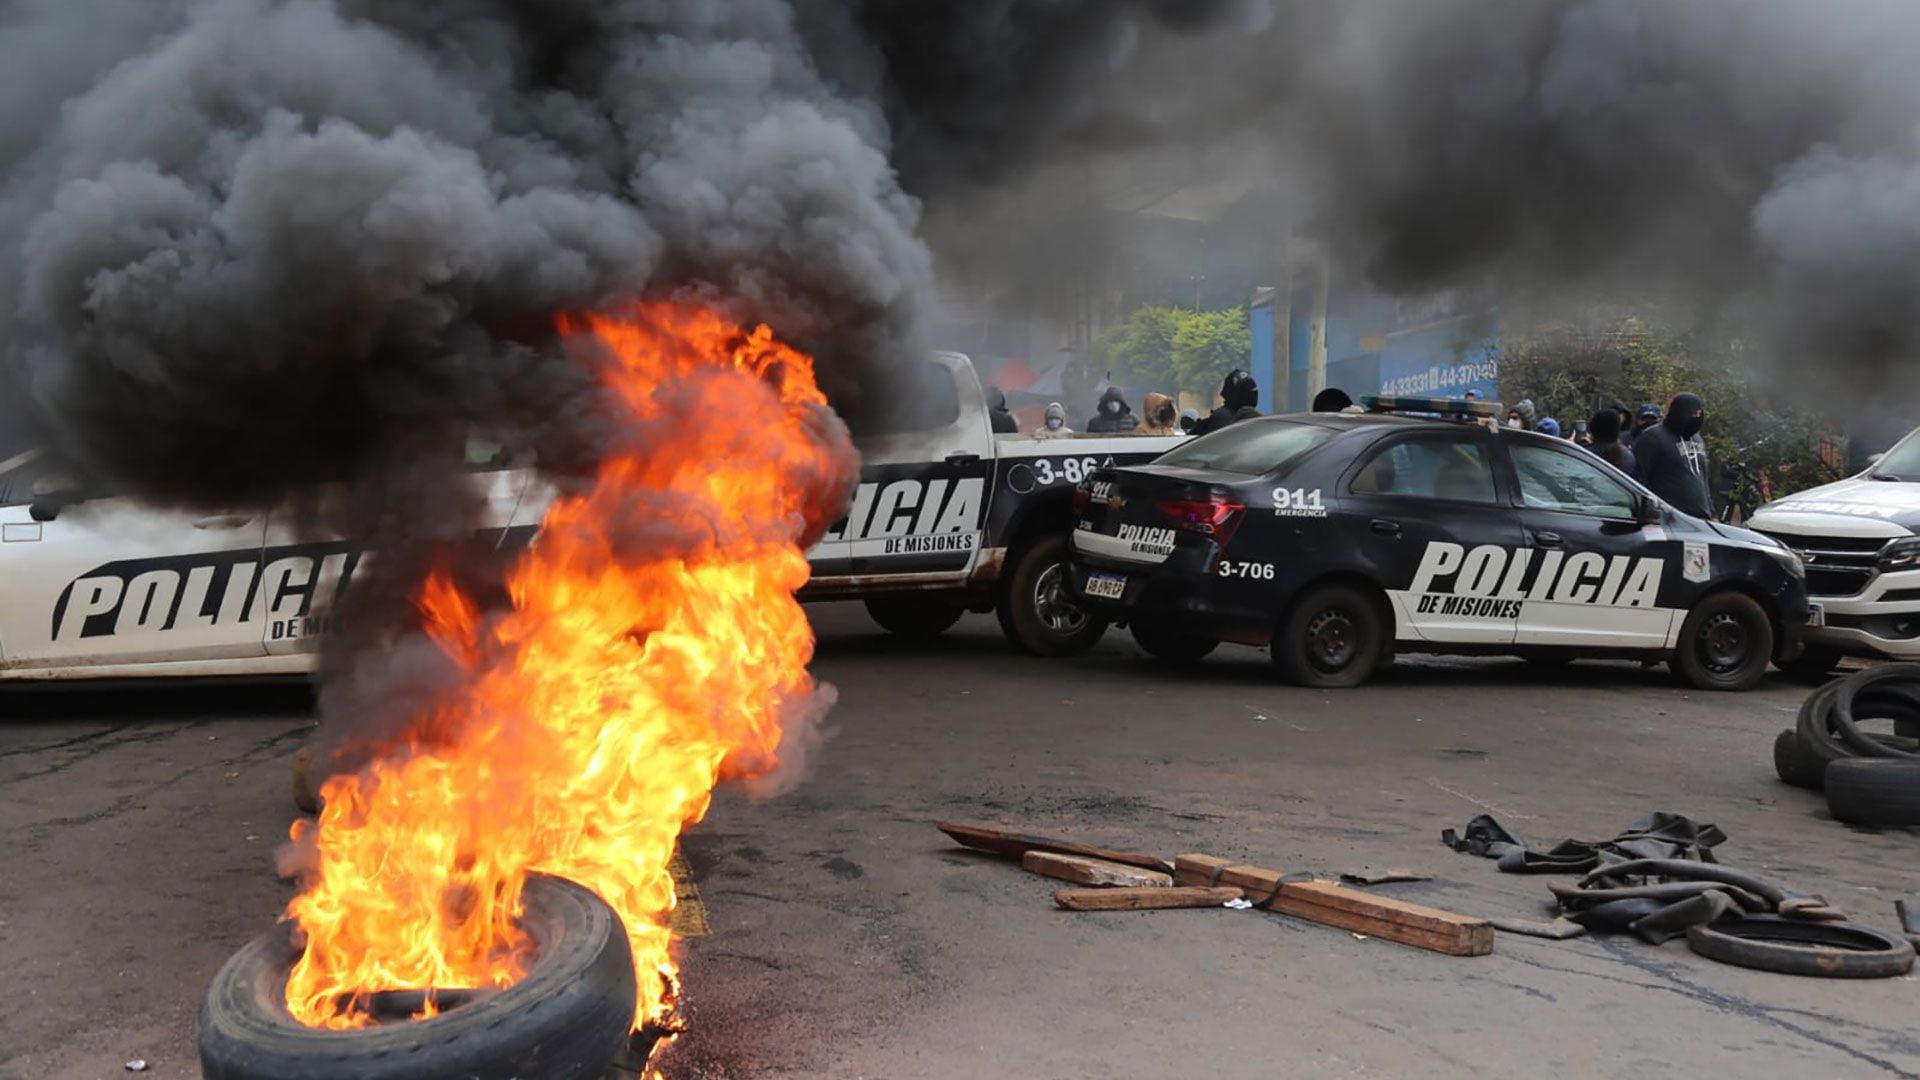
{"x":1858,"y":540}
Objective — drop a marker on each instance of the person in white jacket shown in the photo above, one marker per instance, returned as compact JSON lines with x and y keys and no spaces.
{"x":1056,"y":422}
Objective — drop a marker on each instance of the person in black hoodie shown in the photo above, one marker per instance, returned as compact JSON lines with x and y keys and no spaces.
{"x":1241,"y":396}
{"x":1004,"y":422}
{"x":1113,"y":416}
{"x":1671,"y":458}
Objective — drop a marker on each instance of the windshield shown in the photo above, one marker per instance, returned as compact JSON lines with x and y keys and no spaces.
{"x":1251,"y":447}
{"x":1900,"y":463}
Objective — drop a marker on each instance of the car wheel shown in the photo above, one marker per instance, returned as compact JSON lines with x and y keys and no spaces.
{"x":1814,"y":666}
{"x":1169,"y":646}
{"x":566,"y":1019}
{"x":1331,"y":637}
{"x":1036,"y":611}
{"x":1725,"y":644}
{"x":913,"y":618}
{"x":1874,"y":791}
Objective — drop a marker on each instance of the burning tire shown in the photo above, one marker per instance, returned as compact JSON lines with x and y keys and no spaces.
{"x":566,"y":1020}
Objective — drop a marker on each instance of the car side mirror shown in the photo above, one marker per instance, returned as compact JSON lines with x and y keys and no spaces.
{"x":1646,"y":510}
{"x":47,"y":506}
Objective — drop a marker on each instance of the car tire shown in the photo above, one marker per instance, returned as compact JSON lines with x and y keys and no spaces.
{"x":913,"y":618}
{"x":1874,"y":791}
{"x":1813,"y":667}
{"x":1332,"y":637}
{"x":1830,"y":950}
{"x":1725,"y":643}
{"x":1036,"y":611}
{"x":1174,"y":648}
{"x":566,"y":1019}
{"x":1795,"y":764}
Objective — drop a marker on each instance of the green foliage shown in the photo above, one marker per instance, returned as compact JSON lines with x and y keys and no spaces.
{"x":1172,"y":348}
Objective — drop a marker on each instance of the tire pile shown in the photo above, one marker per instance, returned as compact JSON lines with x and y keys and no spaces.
{"x":1870,"y":777}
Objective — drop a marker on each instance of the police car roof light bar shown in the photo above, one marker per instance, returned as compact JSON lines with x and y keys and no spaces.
{"x":1457,"y":407}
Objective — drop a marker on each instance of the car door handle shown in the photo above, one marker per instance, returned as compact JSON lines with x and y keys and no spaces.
{"x":223,"y":521}
{"x":1547,"y":539}
{"x":961,"y":457}
{"x":1386,"y":528}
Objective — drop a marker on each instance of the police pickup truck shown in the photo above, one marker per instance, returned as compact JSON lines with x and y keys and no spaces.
{"x":947,"y":517}
{"x":1858,"y":540}
{"x":1341,"y":539}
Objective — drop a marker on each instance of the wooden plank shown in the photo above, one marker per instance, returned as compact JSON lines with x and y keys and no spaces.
{"x":1147,"y":899}
{"x":1084,"y":871}
{"x":1017,"y":844}
{"x":1331,"y":904}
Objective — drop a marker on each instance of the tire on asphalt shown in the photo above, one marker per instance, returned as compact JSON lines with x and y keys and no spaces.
{"x":1879,"y":691}
{"x":1874,"y":791}
{"x":1174,"y":648}
{"x":1726,"y":643}
{"x":1794,"y":763}
{"x":915,"y":618}
{"x":1331,"y":637}
{"x":1814,"y":666}
{"x":1035,"y":610}
{"x":566,"y":1019}
{"x":1831,"y":950}
{"x":1817,"y":739}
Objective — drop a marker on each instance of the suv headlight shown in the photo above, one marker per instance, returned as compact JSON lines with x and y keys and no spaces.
{"x":1901,"y":554}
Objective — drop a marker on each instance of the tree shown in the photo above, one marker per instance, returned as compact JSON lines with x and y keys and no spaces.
{"x":1209,"y":344}
{"x":1143,"y":345}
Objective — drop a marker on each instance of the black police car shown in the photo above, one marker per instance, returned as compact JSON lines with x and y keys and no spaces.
{"x":1340,"y":539}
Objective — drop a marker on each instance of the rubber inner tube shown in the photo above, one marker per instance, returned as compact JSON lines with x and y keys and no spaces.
{"x":1832,"y":950}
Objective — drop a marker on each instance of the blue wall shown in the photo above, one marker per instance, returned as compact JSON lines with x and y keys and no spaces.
{"x":1374,"y":346}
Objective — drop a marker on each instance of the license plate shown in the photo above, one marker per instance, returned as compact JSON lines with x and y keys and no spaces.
{"x":1106,"y":586}
{"x":1816,"y":615}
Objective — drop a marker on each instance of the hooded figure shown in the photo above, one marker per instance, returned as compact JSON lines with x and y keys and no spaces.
{"x":1162,"y":417}
{"x":1671,"y":458}
{"x":1003,"y":421}
{"x":1607,"y":446}
{"x":1113,"y":416}
{"x":1189,"y":420}
{"x":1332,"y":399}
{"x":1522,"y":414}
{"x":1239,"y":394}
{"x":1055,"y":423}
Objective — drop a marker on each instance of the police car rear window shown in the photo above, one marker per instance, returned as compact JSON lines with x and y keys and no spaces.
{"x":1249,"y":447}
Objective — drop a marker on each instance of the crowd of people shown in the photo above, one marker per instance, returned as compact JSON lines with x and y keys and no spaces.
{"x":1662,"y":449}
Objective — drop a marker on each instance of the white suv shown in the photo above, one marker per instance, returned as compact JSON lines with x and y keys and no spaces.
{"x":1858,"y":540}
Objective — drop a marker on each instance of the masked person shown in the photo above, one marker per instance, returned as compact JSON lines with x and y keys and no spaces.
{"x":997,"y":411}
{"x":1522,"y":415}
{"x":1055,"y":422}
{"x":1189,"y":420}
{"x":1671,"y":458}
{"x":1332,"y":399}
{"x":1113,"y":416}
{"x":1605,"y":429}
{"x":1239,"y":394}
{"x":1162,"y":417}
{"x":1649,"y":415}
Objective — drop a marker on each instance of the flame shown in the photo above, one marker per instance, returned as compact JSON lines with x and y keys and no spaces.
{"x":653,"y":648}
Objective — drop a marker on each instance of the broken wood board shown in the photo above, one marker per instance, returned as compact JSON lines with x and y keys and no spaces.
{"x":1147,"y":899}
{"x":1082,"y":870}
{"x":1017,"y":844}
{"x":1331,"y":904}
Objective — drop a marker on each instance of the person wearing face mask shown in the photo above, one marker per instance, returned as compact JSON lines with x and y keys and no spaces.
{"x":1649,"y":416}
{"x":1239,"y":396}
{"x":1521,"y":415}
{"x":1055,"y":423}
{"x":1671,"y":458}
{"x":1113,"y":416}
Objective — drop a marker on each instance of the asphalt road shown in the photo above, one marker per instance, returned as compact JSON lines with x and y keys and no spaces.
{"x":849,"y":939}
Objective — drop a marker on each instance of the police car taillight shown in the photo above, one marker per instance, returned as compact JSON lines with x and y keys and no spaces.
{"x":1214,"y":516}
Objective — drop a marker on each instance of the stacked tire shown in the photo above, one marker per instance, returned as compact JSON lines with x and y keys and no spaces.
{"x":1870,"y":777}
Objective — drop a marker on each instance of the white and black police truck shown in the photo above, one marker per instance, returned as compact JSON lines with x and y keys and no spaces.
{"x":1860,"y":540}
{"x":1342,"y":539}
{"x":948,"y":517}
